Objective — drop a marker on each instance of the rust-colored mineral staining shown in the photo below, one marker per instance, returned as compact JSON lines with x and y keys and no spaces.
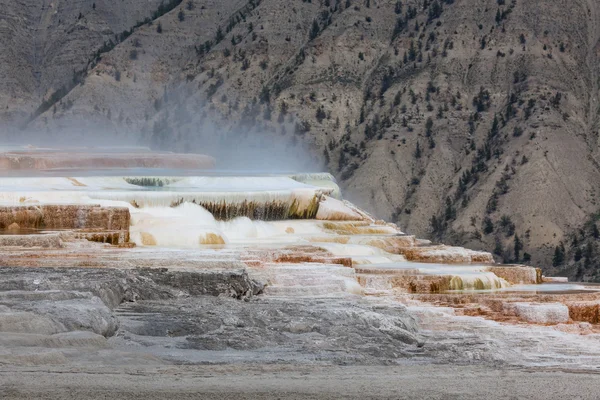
{"x":445,"y":255}
{"x":585,"y":311}
{"x":516,"y":274}
{"x":65,"y":216}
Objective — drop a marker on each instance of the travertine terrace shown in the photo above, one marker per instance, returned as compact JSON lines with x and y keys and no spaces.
{"x":40,"y":159}
{"x":198,"y":267}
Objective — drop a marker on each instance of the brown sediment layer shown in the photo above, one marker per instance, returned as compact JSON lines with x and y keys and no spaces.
{"x":302,"y":258}
{"x":516,"y":274}
{"x":415,"y":283}
{"x":89,"y":254}
{"x":115,"y":238}
{"x":25,"y":217}
{"x":293,"y":255}
{"x":355,"y":228}
{"x":69,"y":216}
{"x":411,"y":281}
{"x":583,"y":307}
{"x":585,"y":311}
{"x":14,"y":227}
{"x":489,"y":298}
{"x":72,"y":160}
{"x":481,"y":257}
{"x":445,"y":255}
{"x":436,"y":283}
{"x":335,"y":216}
{"x":45,"y":241}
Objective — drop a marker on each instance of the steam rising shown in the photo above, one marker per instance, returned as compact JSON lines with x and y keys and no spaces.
{"x":245,"y":151}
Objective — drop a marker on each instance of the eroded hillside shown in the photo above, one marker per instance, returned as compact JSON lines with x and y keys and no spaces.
{"x":472,"y":122}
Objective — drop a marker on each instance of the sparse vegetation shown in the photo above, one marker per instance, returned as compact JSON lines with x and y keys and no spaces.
{"x":488,"y":225}
{"x":320,"y":115}
{"x":417,"y":109}
{"x":314,"y":30}
{"x":559,"y":255}
{"x":219,"y":36}
{"x":301,"y":128}
{"x":482,"y":101}
{"x":418,"y":151}
{"x":522,"y":39}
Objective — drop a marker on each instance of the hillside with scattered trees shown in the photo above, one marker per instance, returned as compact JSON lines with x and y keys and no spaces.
{"x":470,"y":122}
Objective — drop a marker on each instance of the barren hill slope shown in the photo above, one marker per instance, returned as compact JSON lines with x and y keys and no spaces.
{"x":46,"y":44}
{"x":474,"y":122}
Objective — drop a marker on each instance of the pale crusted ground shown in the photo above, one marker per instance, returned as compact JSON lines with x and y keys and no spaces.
{"x":294,"y":382}
{"x":175,"y":342}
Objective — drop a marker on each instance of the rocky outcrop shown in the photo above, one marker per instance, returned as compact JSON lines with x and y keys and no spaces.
{"x":235,"y":284}
{"x":75,"y":221}
{"x":70,"y":307}
{"x":51,"y":312}
{"x":115,"y":286}
{"x":277,"y":329}
{"x":65,"y":217}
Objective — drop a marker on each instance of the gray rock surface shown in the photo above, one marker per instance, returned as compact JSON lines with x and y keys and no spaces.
{"x":47,"y":301}
{"x":189,"y":317}
{"x":334,"y":330}
{"x":115,"y":286}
